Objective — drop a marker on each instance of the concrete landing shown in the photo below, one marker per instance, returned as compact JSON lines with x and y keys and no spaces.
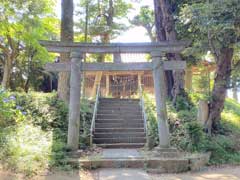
{"x":121,"y":154}
{"x":137,"y":158}
{"x":123,"y":174}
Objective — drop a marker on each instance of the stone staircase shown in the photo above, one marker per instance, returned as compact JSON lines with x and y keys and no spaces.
{"x":119,"y":124}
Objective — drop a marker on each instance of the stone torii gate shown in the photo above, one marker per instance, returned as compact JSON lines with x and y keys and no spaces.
{"x":76,"y":66}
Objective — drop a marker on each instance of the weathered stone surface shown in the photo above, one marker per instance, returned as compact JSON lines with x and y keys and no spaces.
{"x":165,"y":152}
{"x":168,"y":165}
{"x":160,"y":97}
{"x":121,"y":154}
{"x":203,"y":111}
{"x":152,"y":164}
{"x":198,"y":161}
{"x":112,"y":163}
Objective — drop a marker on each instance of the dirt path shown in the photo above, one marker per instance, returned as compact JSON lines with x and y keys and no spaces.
{"x":223,"y":173}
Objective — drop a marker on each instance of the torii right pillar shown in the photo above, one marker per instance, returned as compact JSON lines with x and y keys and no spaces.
{"x":160,"y":96}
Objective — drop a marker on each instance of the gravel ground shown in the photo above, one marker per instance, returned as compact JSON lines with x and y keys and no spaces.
{"x":211,"y":173}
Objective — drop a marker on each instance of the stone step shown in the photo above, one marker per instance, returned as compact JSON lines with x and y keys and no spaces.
{"x":186,"y":162}
{"x":118,"y":129}
{"x":119,"y":140}
{"x":121,"y":106}
{"x":123,"y":121}
{"x":118,"y":135}
{"x":118,"y":100}
{"x":116,"y":116}
{"x":122,"y":145}
{"x":119,"y":111}
{"x":119,"y":125}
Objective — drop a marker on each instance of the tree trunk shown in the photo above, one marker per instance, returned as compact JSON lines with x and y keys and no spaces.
{"x":171,"y":35}
{"x":161,"y":36}
{"x":7,"y":72}
{"x":66,"y":36}
{"x":219,"y":92}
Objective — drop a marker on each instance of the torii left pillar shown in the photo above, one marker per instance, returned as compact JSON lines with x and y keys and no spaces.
{"x":74,"y":104}
{"x":160,"y":96}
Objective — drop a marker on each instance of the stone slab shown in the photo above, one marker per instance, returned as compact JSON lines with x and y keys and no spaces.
{"x":123,"y":174}
{"x":121,"y":154}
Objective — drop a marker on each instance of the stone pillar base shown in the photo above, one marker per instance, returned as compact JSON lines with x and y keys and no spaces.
{"x":166,"y":152}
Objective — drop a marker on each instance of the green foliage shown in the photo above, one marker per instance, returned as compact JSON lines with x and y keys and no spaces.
{"x":196,"y":135}
{"x":210,"y":26}
{"x":37,"y":139}
{"x":25,"y":148}
{"x":23,"y":24}
{"x":146,"y":20}
{"x":152,"y":125}
{"x":188,"y":135}
{"x":104,"y":18}
{"x":10,"y":113}
{"x":183,"y":102}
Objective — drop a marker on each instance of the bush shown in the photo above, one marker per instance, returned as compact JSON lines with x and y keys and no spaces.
{"x":152,"y":125}
{"x":33,"y":130}
{"x":10,"y":112}
{"x":223,"y":151}
{"x":187,"y":134}
{"x":25,"y":148}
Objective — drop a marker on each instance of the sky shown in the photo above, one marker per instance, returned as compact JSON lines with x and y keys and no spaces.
{"x":134,"y":34}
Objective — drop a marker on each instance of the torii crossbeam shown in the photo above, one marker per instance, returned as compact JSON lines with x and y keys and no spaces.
{"x":76,"y":66}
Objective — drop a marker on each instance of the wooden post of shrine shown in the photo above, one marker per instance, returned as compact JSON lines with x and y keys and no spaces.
{"x":188,"y":79}
{"x":139,"y":80}
{"x":107,"y":85}
{"x":74,"y":104}
{"x":160,"y":96}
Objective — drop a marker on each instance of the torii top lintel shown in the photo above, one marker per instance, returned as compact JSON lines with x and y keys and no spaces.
{"x":111,"y":48}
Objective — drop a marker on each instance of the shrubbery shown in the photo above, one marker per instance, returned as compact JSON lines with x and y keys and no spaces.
{"x":187,"y":134}
{"x":34,"y":130}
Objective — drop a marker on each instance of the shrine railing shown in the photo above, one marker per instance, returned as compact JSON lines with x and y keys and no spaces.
{"x":92,"y":129}
{"x":144,"y":114}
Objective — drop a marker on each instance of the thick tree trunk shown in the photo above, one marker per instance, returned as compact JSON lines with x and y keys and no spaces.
{"x":219,"y":92}
{"x":161,"y":36}
{"x":171,"y":35}
{"x":66,"y":36}
{"x":7,"y":73}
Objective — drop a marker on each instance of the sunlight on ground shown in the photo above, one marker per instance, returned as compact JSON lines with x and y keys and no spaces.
{"x":197,"y":177}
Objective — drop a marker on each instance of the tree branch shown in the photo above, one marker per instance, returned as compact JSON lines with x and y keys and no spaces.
{"x":212,"y":47}
{"x":4,"y":48}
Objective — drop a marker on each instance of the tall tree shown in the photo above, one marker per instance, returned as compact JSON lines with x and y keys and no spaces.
{"x":165,"y":28}
{"x":218,"y":26}
{"x":66,"y":36}
{"x":105,"y":18}
{"x":21,"y":27}
{"x":104,"y":24}
{"x":145,"y":18}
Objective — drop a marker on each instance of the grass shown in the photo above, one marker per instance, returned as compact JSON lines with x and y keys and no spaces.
{"x":231,"y":114}
{"x":36,"y":140}
{"x":187,"y":134}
